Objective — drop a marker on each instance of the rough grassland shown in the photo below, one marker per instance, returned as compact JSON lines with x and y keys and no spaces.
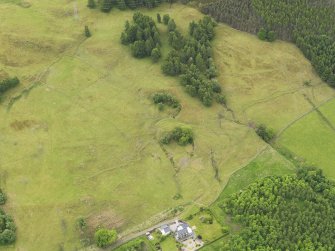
{"x":83,"y":140}
{"x":265,"y":81}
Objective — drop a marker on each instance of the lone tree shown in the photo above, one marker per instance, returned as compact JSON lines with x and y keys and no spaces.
{"x":166,"y":19}
{"x":105,"y":237}
{"x":91,"y":4}
{"x":87,"y":31}
{"x":159,"y":18}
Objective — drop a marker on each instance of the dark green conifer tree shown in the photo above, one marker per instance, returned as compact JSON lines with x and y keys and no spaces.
{"x":171,"y":25}
{"x":106,"y":5}
{"x":87,"y":31}
{"x":91,"y":4}
{"x":159,"y":19}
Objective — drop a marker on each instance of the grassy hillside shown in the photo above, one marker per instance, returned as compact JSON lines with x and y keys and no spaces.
{"x":83,"y":142}
{"x":79,"y":136}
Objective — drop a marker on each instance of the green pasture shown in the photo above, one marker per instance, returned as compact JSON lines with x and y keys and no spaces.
{"x":312,"y":138}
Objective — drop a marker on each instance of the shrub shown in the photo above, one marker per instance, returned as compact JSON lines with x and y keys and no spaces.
{"x":265,"y":133}
{"x":181,"y":135}
{"x":8,"y":84}
{"x":7,"y":237}
{"x":3,"y":197}
{"x":262,"y":34}
{"x":81,"y":223}
{"x":105,"y":237}
{"x":87,"y":31}
{"x":165,"y":99}
{"x":7,"y":229}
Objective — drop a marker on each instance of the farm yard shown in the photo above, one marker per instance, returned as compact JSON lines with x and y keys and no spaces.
{"x":80,"y":134}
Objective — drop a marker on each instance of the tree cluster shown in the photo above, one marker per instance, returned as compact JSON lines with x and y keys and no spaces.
{"x":143,"y":37}
{"x":165,"y":99}
{"x":284,"y":213}
{"x":265,"y":133}
{"x":8,"y":83}
{"x":105,"y":237}
{"x":191,"y":58}
{"x":107,"y":5}
{"x":181,"y":135}
{"x":310,"y":24}
{"x":7,"y":225}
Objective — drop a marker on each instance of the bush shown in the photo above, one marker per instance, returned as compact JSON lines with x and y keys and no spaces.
{"x":8,"y":84}
{"x":105,"y":237}
{"x":81,"y":223}
{"x":181,"y":135}
{"x":7,"y":229}
{"x":7,"y":237}
{"x":165,"y":99}
{"x":87,"y":31}
{"x":262,"y":34}
{"x":3,"y":197}
{"x":265,"y":133}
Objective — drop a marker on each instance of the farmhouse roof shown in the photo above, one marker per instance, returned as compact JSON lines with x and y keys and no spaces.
{"x":183,"y":232}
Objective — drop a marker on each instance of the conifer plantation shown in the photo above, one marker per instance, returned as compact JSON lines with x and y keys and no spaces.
{"x":143,"y":37}
{"x":107,"y":5}
{"x":191,"y":59}
{"x":284,"y":213}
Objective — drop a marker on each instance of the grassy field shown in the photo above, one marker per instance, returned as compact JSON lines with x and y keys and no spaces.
{"x":313,"y":139}
{"x":79,"y":136}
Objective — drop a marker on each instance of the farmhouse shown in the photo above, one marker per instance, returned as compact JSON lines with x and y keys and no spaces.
{"x":184,"y":232}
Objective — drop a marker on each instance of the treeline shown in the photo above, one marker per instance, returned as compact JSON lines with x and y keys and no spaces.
{"x":308,"y":23}
{"x":284,"y":213}
{"x":7,"y":225}
{"x":107,"y":5}
{"x":8,"y":83}
{"x":191,"y":59}
{"x":143,"y":37}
